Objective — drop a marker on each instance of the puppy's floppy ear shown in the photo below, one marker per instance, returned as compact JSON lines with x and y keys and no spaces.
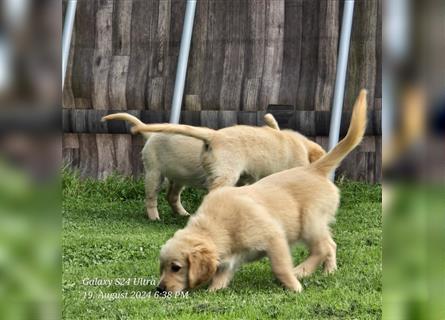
{"x":202,"y":266}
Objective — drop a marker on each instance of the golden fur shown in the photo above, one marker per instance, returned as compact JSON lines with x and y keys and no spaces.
{"x":244,"y":152}
{"x":236,"y":225}
{"x":175,"y":157}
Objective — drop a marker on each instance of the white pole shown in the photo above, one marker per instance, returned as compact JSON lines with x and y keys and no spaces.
{"x":66,"y":36}
{"x":181,"y":71}
{"x":340,"y":81}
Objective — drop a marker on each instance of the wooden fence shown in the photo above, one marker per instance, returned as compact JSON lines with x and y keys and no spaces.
{"x":245,"y":55}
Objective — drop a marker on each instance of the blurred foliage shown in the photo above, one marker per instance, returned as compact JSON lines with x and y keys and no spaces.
{"x":29,"y":246}
{"x":414,"y":255}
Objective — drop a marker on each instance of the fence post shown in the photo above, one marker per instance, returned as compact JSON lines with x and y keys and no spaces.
{"x":340,"y":80}
{"x":66,"y":36}
{"x":181,"y":70}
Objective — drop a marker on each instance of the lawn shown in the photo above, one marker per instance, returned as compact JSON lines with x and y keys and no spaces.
{"x":109,"y":245}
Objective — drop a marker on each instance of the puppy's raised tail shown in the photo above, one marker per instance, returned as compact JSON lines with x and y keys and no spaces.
{"x":126,"y":117}
{"x":270,"y":121}
{"x":356,"y":130}
{"x":205,"y":134}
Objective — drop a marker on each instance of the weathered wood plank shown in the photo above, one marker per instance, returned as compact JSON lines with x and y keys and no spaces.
{"x":254,"y":54}
{"x":83,"y":85}
{"x":293,"y":28}
{"x":192,"y":102}
{"x":177,"y":9}
{"x":118,"y":82}
{"x":88,"y":163}
{"x":362,"y":58}
{"x":101,"y":71}
{"x":136,"y":155}
{"x":137,"y":79}
{"x":327,"y":53}
{"x":233,"y":66}
{"x":81,"y":77}
{"x":156,"y":93}
{"x":209,"y":118}
{"x":196,"y":68}
{"x":123,"y":152}
{"x":85,"y":24}
{"x":192,"y":118}
{"x":305,"y":122}
{"x":227,"y":118}
{"x":307,"y":83}
{"x":106,"y":158}
{"x":161,"y":59}
{"x":70,"y":150}
{"x":214,"y":58}
{"x":273,"y":55}
{"x":122,"y":13}
{"x":248,"y":118}
{"x":102,"y":54}
{"x":251,"y":93}
{"x":155,"y":85}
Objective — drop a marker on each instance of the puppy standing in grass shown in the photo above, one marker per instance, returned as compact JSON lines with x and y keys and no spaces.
{"x":245,"y":152}
{"x":175,"y":157}
{"x":237,"y":225}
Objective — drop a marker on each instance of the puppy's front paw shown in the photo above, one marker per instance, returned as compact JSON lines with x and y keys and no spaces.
{"x":153,"y":215}
{"x":330,"y":268}
{"x":300,"y":272}
{"x":297,"y":287}
{"x":183,"y":213}
{"x":218,"y":284}
{"x":214,"y":289}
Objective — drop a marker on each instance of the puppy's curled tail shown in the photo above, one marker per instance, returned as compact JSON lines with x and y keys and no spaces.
{"x":354,"y":136}
{"x":270,"y":121}
{"x":204,"y":134}
{"x":127,"y":117}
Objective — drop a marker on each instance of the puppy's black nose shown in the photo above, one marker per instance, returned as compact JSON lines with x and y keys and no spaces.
{"x":160,"y":289}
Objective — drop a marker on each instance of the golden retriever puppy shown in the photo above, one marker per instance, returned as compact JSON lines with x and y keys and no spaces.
{"x":175,"y":157}
{"x":245,"y":152}
{"x":235,"y":225}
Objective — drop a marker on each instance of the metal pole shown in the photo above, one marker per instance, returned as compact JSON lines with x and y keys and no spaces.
{"x":66,"y":36}
{"x":181,"y":71}
{"x":340,"y":81}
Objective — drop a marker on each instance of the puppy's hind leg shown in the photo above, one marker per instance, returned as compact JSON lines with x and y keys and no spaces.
{"x":281,"y":260}
{"x":174,"y":198}
{"x":153,"y":182}
{"x":321,"y":250}
{"x":330,"y":264}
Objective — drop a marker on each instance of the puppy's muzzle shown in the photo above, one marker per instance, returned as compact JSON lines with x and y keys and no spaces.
{"x":160,"y":290}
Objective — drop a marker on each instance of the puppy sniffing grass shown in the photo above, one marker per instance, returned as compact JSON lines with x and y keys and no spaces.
{"x":237,"y":225}
{"x":175,"y":157}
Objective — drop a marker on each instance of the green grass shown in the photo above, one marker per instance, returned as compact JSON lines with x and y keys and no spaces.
{"x":106,"y":235}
